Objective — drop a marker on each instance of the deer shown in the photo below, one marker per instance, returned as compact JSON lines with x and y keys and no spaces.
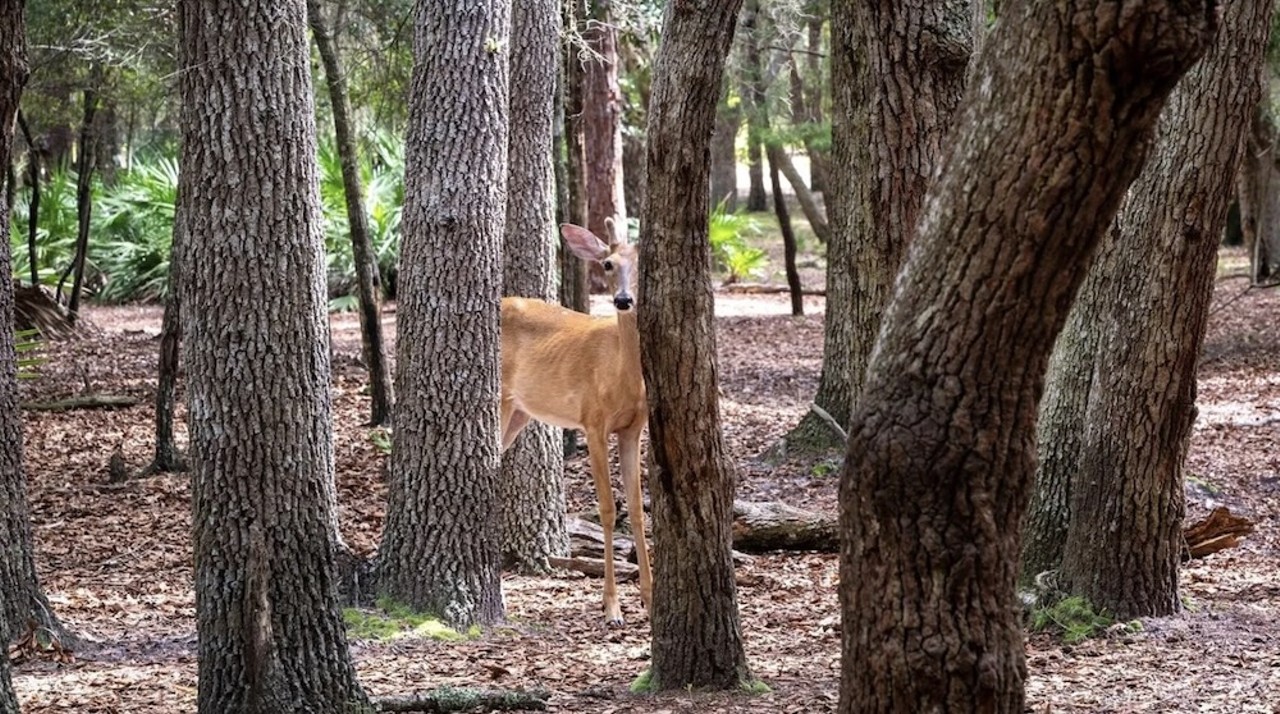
{"x":575,"y":371}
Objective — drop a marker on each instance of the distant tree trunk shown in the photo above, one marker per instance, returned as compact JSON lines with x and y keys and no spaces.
{"x":168,"y":459}
{"x":440,"y":552}
{"x":1258,"y":186}
{"x":368,"y":280}
{"x":575,"y":291}
{"x":753,"y":100}
{"x":808,"y":204}
{"x":788,"y":235}
{"x":1124,"y":541}
{"x":84,"y":193}
{"x":697,"y":637}
{"x":724,"y":153}
{"x":602,"y":125}
{"x":532,"y":495}
{"x":940,"y":460}
{"x":271,"y":636}
{"x":33,"y":207}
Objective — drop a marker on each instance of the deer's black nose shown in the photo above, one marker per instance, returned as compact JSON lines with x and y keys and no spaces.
{"x":623,"y":302}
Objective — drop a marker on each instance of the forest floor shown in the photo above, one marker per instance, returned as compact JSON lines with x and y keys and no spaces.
{"x":115,"y":559}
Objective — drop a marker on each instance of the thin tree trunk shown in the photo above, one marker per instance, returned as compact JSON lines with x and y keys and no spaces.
{"x":532,"y":495}
{"x":1256,"y":189}
{"x":84,"y":191}
{"x":33,"y":208}
{"x":940,"y":457}
{"x":724,"y":154}
{"x":1124,"y":541}
{"x":602,"y":126}
{"x":788,"y":235}
{"x":574,"y":288}
{"x":697,"y":637}
{"x":753,"y":100}
{"x":440,"y":551}
{"x":368,"y":280}
{"x":168,"y":459}
{"x":808,"y":204}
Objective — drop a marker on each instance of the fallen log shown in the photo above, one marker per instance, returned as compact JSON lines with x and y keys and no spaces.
{"x":772,"y":525}
{"x":622,"y":570}
{"x":449,"y":699}
{"x":1217,"y":531}
{"x":766,"y":289}
{"x":88,"y":401}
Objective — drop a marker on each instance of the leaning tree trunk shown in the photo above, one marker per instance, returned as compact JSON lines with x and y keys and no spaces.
{"x":15,"y":553}
{"x":271,"y":635}
{"x":368,"y":280}
{"x":940,"y":455}
{"x":697,"y":637}
{"x":532,"y":495}
{"x":1124,"y":541}
{"x":440,"y":550}
{"x":602,"y":125}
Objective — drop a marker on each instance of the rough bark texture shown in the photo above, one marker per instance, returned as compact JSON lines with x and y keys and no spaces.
{"x":575,"y":291}
{"x":724,"y":153}
{"x":1257,"y":189}
{"x":440,"y":549}
{"x":697,"y":638}
{"x":753,"y":100}
{"x":940,"y":455}
{"x":271,"y":636}
{"x":1124,"y":541}
{"x":15,"y":547}
{"x":368,"y":279}
{"x":532,"y":493}
{"x":602,"y":125}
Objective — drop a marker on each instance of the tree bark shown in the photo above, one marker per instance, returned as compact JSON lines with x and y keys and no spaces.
{"x":697,"y":637}
{"x":33,"y":208}
{"x":808,"y":204}
{"x":271,"y":636}
{"x":532,"y":494}
{"x":168,"y":459}
{"x":753,"y":99}
{"x":788,"y":236}
{"x":940,"y":456}
{"x":574,"y":289}
{"x":602,"y":125}
{"x":85,"y":167}
{"x":1257,"y":188}
{"x":368,"y":279}
{"x":440,"y":549}
{"x":1124,"y":539}
{"x":724,"y":153}
{"x":15,"y":553}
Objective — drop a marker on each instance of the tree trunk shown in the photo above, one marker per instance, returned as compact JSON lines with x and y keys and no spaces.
{"x":33,"y":208}
{"x":808,"y":204}
{"x":532,"y":495}
{"x":15,"y":555}
{"x":940,"y":456}
{"x":271,"y":636}
{"x":1124,"y":541}
{"x":440,"y":550}
{"x":1257,"y":188}
{"x":697,"y":638}
{"x":753,"y":99}
{"x":574,"y":289}
{"x":84,"y":193}
{"x":602,"y":125}
{"x":368,"y":279}
{"x":168,"y":459}
{"x":724,"y":153}
{"x":788,"y":235}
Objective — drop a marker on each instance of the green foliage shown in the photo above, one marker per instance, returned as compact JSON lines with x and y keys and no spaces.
{"x":398,"y":620}
{"x":26,"y":343}
{"x":643,"y":684}
{"x":756,"y":686}
{"x":55,"y":232}
{"x":381,"y":439}
{"x":137,"y":220}
{"x":729,"y":246}
{"x":1074,"y":618}
{"x":382,"y":178}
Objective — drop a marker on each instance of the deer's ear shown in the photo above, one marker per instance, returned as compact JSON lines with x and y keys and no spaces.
{"x":583,"y":242}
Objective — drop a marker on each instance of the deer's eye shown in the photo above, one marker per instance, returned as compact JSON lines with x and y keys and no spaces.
{"x":608,"y":265}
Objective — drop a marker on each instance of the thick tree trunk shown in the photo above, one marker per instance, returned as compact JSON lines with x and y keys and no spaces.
{"x":271,"y":636}
{"x":532,"y":495}
{"x":440,"y":549}
{"x":368,"y":279}
{"x":15,"y":553}
{"x":602,"y":126}
{"x":1124,"y":542}
{"x":697,"y":637}
{"x":724,"y":153}
{"x":940,"y":456}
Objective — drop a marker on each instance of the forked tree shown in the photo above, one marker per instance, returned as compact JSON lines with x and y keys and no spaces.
{"x":575,"y":371}
{"x":1124,"y":542}
{"x":532,"y":519}
{"x":440,"y":551}
{"x":14,"y":556}
{"x":697,"y":637}
{"x":940,"y":456}
{"x":271,"y":635}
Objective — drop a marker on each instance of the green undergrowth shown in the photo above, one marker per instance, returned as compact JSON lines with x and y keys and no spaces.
{"x":644,"y":684}
{"x":1074,"y":619}
{"x":393,"y":620}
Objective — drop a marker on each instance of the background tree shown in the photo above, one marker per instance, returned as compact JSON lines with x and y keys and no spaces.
{"x":368,"y":280}
{"x":271,"y":636}
{"x":439,"y":551}
{"x":1259,"y":191}
{"x":697,"y":639}
{"x":602,"y":123}
{"x":533,"y":468}
{"x":940,"y":457}
{"x":1124,"y":539}
{"x":574,"y":288}
{"x":15,"y":556}
{"x":904,"y":67}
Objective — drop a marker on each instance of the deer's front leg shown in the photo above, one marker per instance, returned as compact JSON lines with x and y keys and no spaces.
{"x":629,"y":457}
{"x":598,"y":444}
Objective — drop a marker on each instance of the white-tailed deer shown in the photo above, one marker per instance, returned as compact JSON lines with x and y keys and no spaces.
{"x":575,"y":371}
